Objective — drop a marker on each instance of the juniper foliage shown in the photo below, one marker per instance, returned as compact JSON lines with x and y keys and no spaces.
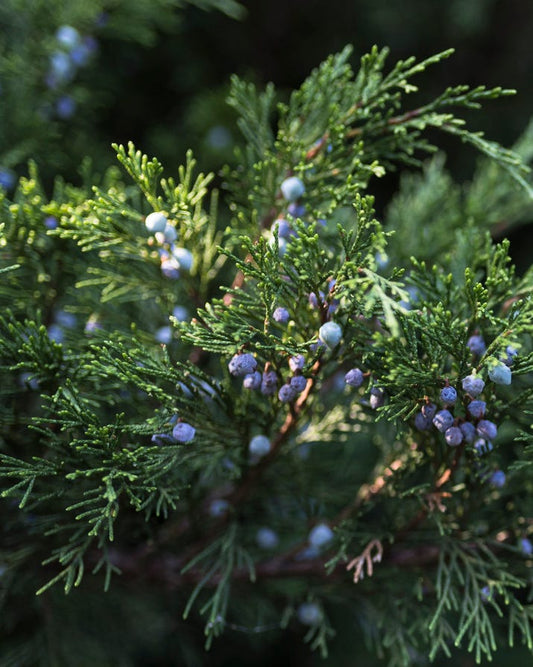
{"x":103,"y":350}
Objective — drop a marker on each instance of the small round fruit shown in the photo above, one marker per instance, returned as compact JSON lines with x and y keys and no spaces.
{"x":269,"y":383}
{"x":473,"y":385}
{"x":183,"y":432}
{"x":422,"y":423}
{"x":320,"y":535}
{"x":443,"y":420}
{"x":469,"y":431}
{"x":448,"y":395}
{"x":453,"y":436}
{"x":156,"y":222}
{"x":330,"y":333}
{"x":259,"y":446}
{"x":497,"y":479}
{"x":242,"y":364}
{"x":377,"y":398}
{"x":309,"y":613}
{"x":252,"y":380}
{"x":287,"y":393}
{"x":477,"y":409}
{"x":281,"y":315}
{"x":266,"y":538}
{"x":487,"y":429}
{"x":476,"y":345}
{"x":292,"y":188}
{"x":297,"y":362}
{"x":500,"y":374}
{"x":429,"y":410}
{"x":298,"y":383}
{"x":354,"y":377}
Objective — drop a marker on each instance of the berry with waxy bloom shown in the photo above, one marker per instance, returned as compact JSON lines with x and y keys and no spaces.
{"x":448,"y":395}
{"x":242,"y":364}
{"x":269,"y":383}
{"x":476,"y":345}
{"x":259,"y":446}
{"x":477,"y":409}
{"x":283,"y":228}
{"x":287,"y":393}
{"x":510,"y":353}
{"x":218,"y":507}
{"x":497,"y":479}
{"x":297,"y":362}
{"x":183,"y":257}
{"x":487,"y":429}
{"x":422,"y":423}
{"x":500,"y":374}
{"x":266,"y":538}
{"x":252,"y":380}
{"x":183,"y":432}
{"x":309,"y":613}
{"x":473,"y":385}
{"x":292,"y":188}
{"x":443,"y":420}
{"x":281,"y":315}
{"x":429,"y":410}
{"x":377,"y":398}
{"x":156,"y":222}
{"x":296,"y":210}
{"x":526,"y":547}
{"x":320,"y":535}
{"x":330,"y":333}
{"x":453,"y":436}
{"x":354,"y":377}
{"x":298,"y":383}
{"x":482,"y":446}
{"x":469,"y":431}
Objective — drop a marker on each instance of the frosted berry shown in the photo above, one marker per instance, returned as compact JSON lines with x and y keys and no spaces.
{"x":180,"y":313}
{"x":287,"y":393}
{"x":482,"y":446}
{"x":218,"y":507}
{"x":156,"y":222}
{"x":281,"y":315}
{"x":170,"y":268}
{"x":283,"y":228}
{"x":473,"y":385}
{"x":469,"y":431}
{"x":487,"y":429}
{"x":510,"y":353}
{"x":377,"y":398}
{"x":55,"y":333}
{"x":526,"y":547}
{"x":292,"y":188}
{"x":296,"y":210}
{"x":309,"y":613}
{"x":183,"y":432}
{"x":422,"y":423}
{"x":162,"y":438}
{"x":65,"y":319}
{"x":163,"y":335}
{"x":354,"y":377}
{"x":183,"y":257}
{"x":429,"y":410}
{"x":497,"y":479}
{"x":168,"y":235}
{"x":500,"y":374}
{"x":259,"y":446}
{"x":242,"y":364}
{"x":298,"y":383}
{"x":453,"y":436}
{"x":476,"y":345}
{"x":443,"y":420}
{"x":320,"y":535}
{"x":50,"y":222}
{"x":448,"y":395}
{"x":330,"y":333}
{"x":297,"y":362}
{"x":266,"y":538}
{"x":269,"y":383}
{"x":477,"y":409}
{"x":65,"y":107}
{"x":67,"y":36}
{"x":252,"y":380}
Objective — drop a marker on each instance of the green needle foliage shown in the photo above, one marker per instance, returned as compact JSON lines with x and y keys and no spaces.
{"x":358,"y":518}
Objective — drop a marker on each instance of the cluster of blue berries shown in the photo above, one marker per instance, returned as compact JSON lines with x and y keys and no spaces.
{"x":474,"y":428}
{"x":174,"y":259}
{"x":73,"y":51}
{"x":245,"y":365}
